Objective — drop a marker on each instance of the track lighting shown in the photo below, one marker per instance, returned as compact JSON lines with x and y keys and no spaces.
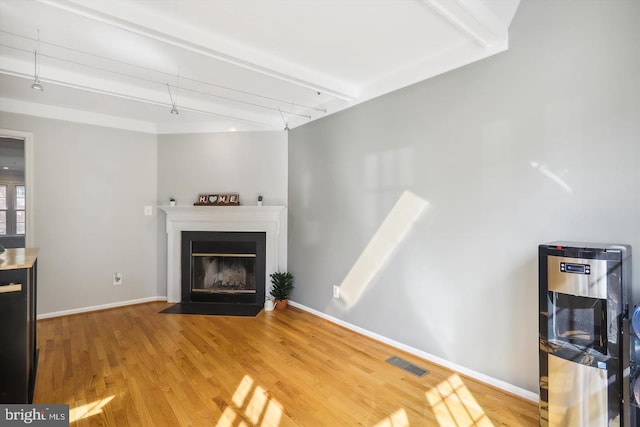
{"x":36,"y":80}
{"x":189,"y":88}
{"x":286,"y":123}
{"x":174,"y":109}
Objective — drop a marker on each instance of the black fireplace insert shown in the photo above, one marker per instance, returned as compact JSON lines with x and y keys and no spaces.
{"x":223,"y":267}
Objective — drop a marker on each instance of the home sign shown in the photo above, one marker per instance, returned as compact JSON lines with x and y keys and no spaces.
{"x":218,"y":200}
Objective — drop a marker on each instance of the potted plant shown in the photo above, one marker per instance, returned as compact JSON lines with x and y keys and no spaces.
{"x":259,"y":200}
{"x":172,"y":201}
{"x":282,"y":285}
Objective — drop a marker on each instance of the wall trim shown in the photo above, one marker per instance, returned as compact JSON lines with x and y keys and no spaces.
{"x":99,"y":307}
{"x":510,"y":388}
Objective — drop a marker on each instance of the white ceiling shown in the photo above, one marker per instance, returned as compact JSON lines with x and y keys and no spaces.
{"x":231,"y":65}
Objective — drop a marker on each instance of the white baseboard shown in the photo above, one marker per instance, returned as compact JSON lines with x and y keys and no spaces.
{"x":518,"y":391}
{"x":100,"y":307}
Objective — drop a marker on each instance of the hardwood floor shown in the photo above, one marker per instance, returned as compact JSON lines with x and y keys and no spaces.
{"x":135,"y":366}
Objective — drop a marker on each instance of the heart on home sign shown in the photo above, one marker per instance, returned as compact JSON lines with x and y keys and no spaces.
{"x":212,"y":199}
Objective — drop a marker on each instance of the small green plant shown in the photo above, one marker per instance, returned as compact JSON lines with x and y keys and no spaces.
{"x":282,"y":285}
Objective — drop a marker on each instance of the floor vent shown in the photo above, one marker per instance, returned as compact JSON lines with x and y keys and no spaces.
{"x":409,"y":367}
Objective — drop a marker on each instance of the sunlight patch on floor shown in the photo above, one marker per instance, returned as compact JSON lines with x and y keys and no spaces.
{"x":88,"y":410}
{"x":397,"y":419}
{"x":454,"y":405}
{"x":252,"y":406}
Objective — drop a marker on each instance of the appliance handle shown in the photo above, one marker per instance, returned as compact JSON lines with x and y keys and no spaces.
{"x":11,"y":287}
{"x":577,"y":354}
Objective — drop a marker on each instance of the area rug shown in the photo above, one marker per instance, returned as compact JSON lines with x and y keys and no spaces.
{"x":216,"y":309}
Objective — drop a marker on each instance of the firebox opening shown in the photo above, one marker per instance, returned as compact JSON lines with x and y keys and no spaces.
{"x":220,"y":273}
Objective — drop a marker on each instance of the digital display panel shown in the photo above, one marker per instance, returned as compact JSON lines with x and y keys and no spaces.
{"x":566,"y":267}
{"x":575,"y":268}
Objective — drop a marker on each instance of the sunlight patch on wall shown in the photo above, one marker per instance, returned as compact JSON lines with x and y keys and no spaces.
{"x":251,"y":406}
{"x":389,"y":235}
{"x":454,"y":405}
{"x":397,"y":419}
{"x":88,"y":410}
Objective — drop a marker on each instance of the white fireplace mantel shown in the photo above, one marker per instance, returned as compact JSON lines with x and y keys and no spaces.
{"x":266,"y":219}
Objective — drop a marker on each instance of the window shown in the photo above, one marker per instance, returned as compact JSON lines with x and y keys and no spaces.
{"x":3,"y":209}
{"x":12,"y":209}
{"x":19,"y":209}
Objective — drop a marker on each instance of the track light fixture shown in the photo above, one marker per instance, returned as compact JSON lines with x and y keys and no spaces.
{"x":36,"y":79}
{"x":174,"y":109}
{"x":286,"y":123}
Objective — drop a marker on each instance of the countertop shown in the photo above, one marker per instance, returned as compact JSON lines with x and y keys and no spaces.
{"x":13,"y":259}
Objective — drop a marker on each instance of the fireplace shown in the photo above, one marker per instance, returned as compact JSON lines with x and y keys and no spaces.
{"x":270,"y":220}
{"x":223,"y":267}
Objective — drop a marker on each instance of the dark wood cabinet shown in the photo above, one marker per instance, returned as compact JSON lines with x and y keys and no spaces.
{"x":18,"y":350}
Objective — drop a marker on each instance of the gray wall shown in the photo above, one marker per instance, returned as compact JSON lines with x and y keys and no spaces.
{"x":247,"y":163}
{"x":90,"y":186}
{"x":536,"y":144}
{"x":92,"y":183}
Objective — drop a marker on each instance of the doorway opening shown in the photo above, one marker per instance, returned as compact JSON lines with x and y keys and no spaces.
{"x":13,"y":194}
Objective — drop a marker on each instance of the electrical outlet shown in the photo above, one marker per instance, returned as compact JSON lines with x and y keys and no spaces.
{"x":336,"y":291}
{"x":117,"y":279}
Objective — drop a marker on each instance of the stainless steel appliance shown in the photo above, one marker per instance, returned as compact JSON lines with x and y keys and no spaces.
{"x":586,"y":361}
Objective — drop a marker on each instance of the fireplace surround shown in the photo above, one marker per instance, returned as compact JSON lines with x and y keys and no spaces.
{"x":266,"y":219}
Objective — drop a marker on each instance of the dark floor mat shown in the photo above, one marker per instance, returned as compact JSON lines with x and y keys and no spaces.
{"x":219,"y":309}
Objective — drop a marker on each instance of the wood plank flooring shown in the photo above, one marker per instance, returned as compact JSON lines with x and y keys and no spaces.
{"x":133,"y":366}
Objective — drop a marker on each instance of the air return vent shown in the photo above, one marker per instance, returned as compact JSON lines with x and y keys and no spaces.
{"x":409,"y":367}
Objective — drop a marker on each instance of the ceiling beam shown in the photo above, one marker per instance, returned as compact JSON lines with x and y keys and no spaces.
{"x":74,"y":115}
{"x":473,"y":18}
{"x":166,"y":35}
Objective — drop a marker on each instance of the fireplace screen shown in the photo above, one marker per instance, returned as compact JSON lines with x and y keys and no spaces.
{"x":223,"y":273}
